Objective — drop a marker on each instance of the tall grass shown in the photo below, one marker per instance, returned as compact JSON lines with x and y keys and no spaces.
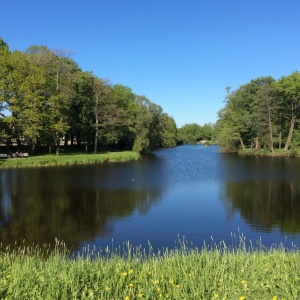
{"x":214,"y":272}
{"x":68,"y":159}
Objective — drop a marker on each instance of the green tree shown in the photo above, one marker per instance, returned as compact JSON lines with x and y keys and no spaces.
{"x":168,"y":131}
{"x":125,"y":100}
{"x":5,"y":121}
{"x":190,"y":133}
{"x":60,"y":75}
{"x":82,"y":111}
{"x":147,"y":125}
{"x":289,"y":90}
{"x":234,"y":121}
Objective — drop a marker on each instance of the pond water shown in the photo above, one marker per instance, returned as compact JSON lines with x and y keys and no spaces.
{"x":192,"y":192}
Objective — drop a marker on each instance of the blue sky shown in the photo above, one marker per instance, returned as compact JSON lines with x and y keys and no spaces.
{"x":180,"y":54}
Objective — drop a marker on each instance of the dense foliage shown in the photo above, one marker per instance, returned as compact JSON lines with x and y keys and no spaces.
{"x":45,"y":98}
{"x":194,"y":133}
{"x":262,"y":114}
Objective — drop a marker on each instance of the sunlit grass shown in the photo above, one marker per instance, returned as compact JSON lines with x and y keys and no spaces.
{"x":267,"y":152}
{"x":214,"y":272}
{"x":68,"y":159}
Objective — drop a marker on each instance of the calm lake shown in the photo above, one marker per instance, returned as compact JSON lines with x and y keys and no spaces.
{"x":188,"y":191}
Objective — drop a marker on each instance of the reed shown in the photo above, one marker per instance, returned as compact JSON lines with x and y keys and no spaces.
{"x":212,"y":272}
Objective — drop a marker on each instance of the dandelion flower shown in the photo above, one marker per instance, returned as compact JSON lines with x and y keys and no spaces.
{"x":243,"y":282}
{"x":107,"y":288}
{"x":130,"y":285}
{"x":274,"y":298}
{"x":140,"y":295}
{"x":127,"y":298}
{"x":242,"y":298}
{"x":8,"y":276}
{"x":158,"y":289}
{"x":124,"y":274}
{"x":130,"y":271}
{"x":156,"y":281}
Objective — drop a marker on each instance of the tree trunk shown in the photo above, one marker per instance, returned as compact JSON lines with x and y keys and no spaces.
{"x":96,"y":135}
{"x":257,"y":144}
{"x":8,"y":145}
{"x":241,"y":142}
{"x":19,"y":143}
{"x":289,"y":139}
{"x":57,"y":144}
{"x":280,"y":140}
{"x":66,"y":141}
{"x":271,"y":133}
{"x":32,"y":149}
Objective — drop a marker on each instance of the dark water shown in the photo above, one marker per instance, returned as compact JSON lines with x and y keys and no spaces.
{"x":191,"y":191}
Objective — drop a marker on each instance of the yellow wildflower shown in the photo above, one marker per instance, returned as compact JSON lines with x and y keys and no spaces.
{"x":8,"y":276}
{"x":243,"y":282}
{"x":156,"y":281}
{"x":158,"y":289}
{"x":130,"y":271}
{"x":216,"y":295}
{"x":107,"y":288}
{"x":242,"y":298}
{"x":274,"y":298}
{"x":124,"y":274}
{"x":130,"y":284}
{"x":127,"y":298}
{"x":140,"y":295}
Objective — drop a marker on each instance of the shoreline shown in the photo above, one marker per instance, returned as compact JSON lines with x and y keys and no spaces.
{"x":53,"y":160}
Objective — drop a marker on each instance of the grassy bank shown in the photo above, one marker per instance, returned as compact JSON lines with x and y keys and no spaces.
{"x":210,"y":273}
{"x":67,"y":159}
{"x":266,"y":152}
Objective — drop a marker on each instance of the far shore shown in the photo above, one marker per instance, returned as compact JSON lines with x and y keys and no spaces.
{"x":67,"y":159}
{"x":267,"y":152}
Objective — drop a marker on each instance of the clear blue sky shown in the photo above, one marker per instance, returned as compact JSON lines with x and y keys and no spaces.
{"x":180,"y":54}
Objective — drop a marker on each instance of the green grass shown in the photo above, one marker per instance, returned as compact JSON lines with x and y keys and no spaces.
{"x":185,"y":273}
{"x":67,"y":159}
{"x":266,"y":152}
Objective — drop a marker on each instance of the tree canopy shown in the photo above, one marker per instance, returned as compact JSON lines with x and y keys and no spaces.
{"x":46,"y":98}
{"x":261,"y":114}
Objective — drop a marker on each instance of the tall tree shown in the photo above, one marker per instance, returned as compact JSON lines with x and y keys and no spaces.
{"x":147,"y":125}
{"x":168,"y":131}
{"x":125,"y":100}
{"x":289,"y":90}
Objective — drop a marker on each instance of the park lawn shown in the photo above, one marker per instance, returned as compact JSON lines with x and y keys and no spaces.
{"x":67,"y":159}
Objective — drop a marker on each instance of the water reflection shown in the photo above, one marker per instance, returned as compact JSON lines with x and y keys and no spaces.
{"x":266,"y":204}
{"x":174,"y":191}
{"x":72,"y":204}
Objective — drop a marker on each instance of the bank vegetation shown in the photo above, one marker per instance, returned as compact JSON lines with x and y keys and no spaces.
{"x":215,"y":272}
{"x":261,"y":117}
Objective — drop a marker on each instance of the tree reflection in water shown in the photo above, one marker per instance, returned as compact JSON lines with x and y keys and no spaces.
{"x":266,"y":204}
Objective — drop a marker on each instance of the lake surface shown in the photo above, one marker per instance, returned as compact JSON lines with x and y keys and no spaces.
{"x":189,"y":191}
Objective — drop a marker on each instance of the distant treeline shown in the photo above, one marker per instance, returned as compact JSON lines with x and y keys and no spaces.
{"x":261,"y":114}
{"x":45,"y":98}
